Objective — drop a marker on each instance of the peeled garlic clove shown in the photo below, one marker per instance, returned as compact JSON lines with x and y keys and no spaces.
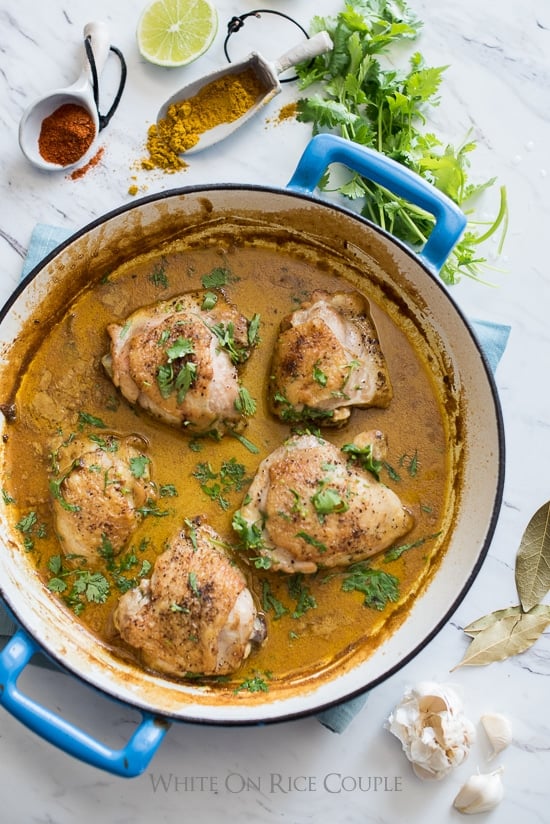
{"x":480,"y":793}
{"x":499,"y":731}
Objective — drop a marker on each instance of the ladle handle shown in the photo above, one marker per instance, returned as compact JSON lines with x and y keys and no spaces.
{"x":100,"y":41}
{"x":319,"y":44}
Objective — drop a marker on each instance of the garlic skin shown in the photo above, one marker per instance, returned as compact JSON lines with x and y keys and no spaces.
{"x":498,"y":730}
{"x":480,"y":793}
{"x":435,"y":734}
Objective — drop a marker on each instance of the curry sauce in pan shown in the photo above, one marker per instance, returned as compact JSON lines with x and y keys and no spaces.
{"x":313,"y":621}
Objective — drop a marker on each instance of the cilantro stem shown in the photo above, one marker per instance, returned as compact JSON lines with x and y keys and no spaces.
{"x":501,"y":218}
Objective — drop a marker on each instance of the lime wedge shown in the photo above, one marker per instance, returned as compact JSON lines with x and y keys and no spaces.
{"x":176,"y":32}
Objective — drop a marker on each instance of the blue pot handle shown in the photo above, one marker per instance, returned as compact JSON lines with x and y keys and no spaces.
{"x":324,"y":149}
{"x":128,"y":762}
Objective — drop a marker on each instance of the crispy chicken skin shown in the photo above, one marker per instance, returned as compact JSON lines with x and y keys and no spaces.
{"x":169,"y":359}
{"x":310,"y":505}
{"x":195,"y":614}
{"x":328,"y":359}
{"x":97,"y":492}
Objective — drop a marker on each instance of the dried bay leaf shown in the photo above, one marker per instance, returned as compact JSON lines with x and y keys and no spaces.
{"x":505,"y":633}
{"x":533,"y":559}
{"x":488,"y":620}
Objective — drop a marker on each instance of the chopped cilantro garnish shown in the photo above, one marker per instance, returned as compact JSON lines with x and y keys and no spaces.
{"x":300,"y":592}
{"x":78,"y":586}
{"x":193,"y":583}
{"x":251,"y":534}
{"x":30,"y":528}
{"x":379,"y":588}
{"x":168,"y":491}
{"x":392,"y":472}
{"x":226,"y":338}
{"x":271,"y":603}
{"x":318,"y":375}
{"x":364,"y":457}
{"x":245,"y":403}
{"x":216,"y":278}
{"x":85,"y":419}
{"x":312,"y":541}
{"x":245,"y":442}
{"x":292,"y":414}
{"x":158,"y":276}
{"x":177,"y":374}
{"x":152,"y":508}
{"x":410,"y":462}
{"x":262,"y":562}
{"x":106,"y":551}
{"x":55,"y":489}
{"x":110,"y":444}
{"x":191,"y":529}
{"x":328,"y":500}
{"x":396,"y":552}
{"x":139,"y":466}
{"x":254,"y":330}
{"x":257,"y":683}
{"x":180,"y":348}
{"x":231,"y":477}
{"x":209,"y":301}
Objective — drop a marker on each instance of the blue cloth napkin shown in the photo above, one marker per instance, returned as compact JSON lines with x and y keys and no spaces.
{"x":492,"y":337}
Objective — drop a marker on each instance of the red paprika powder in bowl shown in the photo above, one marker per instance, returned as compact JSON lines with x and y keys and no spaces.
{"x":58,"y":129}
{"x":66,"y":134}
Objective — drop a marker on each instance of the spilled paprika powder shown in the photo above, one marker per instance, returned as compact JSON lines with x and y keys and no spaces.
{"x":66,"y":134}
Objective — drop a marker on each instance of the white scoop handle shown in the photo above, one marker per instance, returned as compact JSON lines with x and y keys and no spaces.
{"x":319,"y":44}
{"x":101,"y":43}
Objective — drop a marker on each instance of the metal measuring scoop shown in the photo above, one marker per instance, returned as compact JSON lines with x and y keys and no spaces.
{"x":268,"y":75}
{"x":80,"y":93}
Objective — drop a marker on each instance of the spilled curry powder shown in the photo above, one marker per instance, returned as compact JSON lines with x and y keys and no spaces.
{"x":287,"y":112}
{"x":221,"y":101}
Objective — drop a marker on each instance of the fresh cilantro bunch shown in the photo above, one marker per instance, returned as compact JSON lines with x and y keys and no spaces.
{"x":384,"y":108}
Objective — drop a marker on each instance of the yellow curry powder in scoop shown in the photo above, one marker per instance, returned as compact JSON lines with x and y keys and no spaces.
{"x":221,"y":101}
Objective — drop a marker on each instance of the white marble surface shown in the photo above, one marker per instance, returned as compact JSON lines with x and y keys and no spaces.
{"x":497,"y":85}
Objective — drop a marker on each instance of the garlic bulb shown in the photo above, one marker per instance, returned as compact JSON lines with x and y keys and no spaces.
{"x":499,"y":731}
{"x":433,"y":730}
{"x":480,"y":793}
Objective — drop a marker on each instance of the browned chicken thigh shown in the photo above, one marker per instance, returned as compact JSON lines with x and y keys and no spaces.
{"x":195,"y":614}
{"x":178,"y":361}
{"x":311,"y":505}
{"x":97,"y":493}
{"x":328,"y":359}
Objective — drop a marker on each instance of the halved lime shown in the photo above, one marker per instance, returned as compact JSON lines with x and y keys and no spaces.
{"x":176,"y":32}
